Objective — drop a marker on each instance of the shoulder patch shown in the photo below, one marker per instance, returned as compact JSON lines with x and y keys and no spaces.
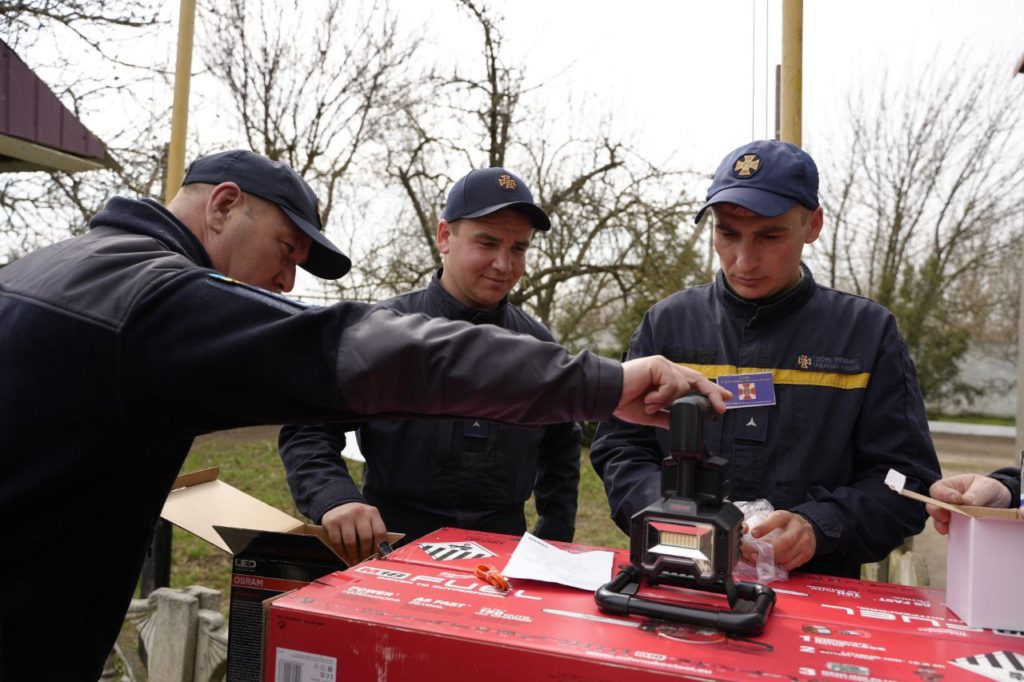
{"x":278,"y":301}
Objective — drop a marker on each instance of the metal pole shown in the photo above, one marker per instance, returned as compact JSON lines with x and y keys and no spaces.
{"x":778,"y":99}
{"x":1019,"y":423}
{"x":792,"y":70}
{"x":179,"y":115}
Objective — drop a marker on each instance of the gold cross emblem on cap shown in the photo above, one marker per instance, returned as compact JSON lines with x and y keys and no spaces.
{"x":507,"y":182}
{"x":747,"y":166}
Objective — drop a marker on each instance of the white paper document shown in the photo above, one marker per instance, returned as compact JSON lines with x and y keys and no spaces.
{"x":534,"y":559}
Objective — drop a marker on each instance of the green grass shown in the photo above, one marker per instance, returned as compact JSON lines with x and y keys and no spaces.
{"x":248,"y":460}
{"x":973,"y":419}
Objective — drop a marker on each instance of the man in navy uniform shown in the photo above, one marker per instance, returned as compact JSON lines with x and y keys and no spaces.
{"x":833,"y":394}
{"x":422,"y":475}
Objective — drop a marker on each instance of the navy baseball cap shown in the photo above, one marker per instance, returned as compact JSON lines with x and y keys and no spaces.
{"x":277,"y":183}
{"x":485,"y":191}
{"x":767,"y":177}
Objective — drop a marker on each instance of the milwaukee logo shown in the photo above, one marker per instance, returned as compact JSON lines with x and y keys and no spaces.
{"x":454,"y":582}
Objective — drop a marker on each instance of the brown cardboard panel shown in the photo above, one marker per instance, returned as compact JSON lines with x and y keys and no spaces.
{"x":965,"y":509}
{"x":200,"y":501}
{"x":197,"y":508}
{"x":895,"y":480}
{"x":991,"y":512}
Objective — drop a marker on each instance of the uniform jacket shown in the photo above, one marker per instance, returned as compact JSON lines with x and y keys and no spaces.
{"x":426,"y":474}
{"x":848,"y":408}
{"x":120,"y":346}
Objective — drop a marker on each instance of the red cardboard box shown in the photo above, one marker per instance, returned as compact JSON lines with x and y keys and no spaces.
{"x":421,"y":614}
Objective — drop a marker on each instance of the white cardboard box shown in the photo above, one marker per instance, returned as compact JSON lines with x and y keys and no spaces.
{"x":983,"y":561}
{"x":983,"y":568}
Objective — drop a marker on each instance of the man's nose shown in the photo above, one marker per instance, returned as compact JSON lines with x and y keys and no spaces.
{"x":502,"y":261}
{"x":286,"y":278}
{"x":746,"y":256}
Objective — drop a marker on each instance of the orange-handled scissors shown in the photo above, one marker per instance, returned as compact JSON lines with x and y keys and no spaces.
{"x":493,"y":576}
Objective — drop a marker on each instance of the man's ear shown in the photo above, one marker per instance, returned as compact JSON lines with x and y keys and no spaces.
{"x":817,"y":219}
{"x":444,"y":233}
{"x":224,"y":198}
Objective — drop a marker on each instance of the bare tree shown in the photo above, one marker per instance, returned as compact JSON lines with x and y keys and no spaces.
{"x":922,"y":200}
{"x":612,"y":210}
{"x":26,"y":21}
{"x":315,"y":103}
{"x":41,"y":208}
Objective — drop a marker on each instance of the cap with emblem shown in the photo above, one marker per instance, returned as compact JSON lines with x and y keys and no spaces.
{"x":485,"y":191}
{"x":277,"y":183}
{"x":767,"y":177}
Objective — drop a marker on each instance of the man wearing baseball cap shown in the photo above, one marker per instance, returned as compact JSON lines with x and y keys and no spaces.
{"x":465,"y":473}
{"x":277,"y":183}
{"x":162,"y":323}
{"x":827,"y":396}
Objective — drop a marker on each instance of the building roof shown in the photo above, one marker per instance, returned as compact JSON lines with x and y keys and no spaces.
{"x":37,"y":132}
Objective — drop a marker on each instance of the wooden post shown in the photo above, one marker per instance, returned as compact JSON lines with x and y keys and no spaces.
{"x":792,"y":71}
{"x":179,"y":113}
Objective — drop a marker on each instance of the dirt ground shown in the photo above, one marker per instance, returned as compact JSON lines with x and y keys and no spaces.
{"x":960,"y":454}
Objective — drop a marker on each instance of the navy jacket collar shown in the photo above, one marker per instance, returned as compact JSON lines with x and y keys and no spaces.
{"x":452,"y":308}
{"x":149,"y":218}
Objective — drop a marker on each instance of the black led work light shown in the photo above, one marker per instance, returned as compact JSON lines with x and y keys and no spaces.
{"x":689,"y":538}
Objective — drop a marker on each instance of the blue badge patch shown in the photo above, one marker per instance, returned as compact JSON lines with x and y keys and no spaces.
{"x":749,"y":390}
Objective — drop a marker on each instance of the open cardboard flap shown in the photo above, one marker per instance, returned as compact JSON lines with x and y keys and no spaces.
{"x":896,"y":481}
{"x":232,"y":520}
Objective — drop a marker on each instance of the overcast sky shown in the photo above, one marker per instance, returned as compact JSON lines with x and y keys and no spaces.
{"x":690,"y":76}
{"x":689,"y":79}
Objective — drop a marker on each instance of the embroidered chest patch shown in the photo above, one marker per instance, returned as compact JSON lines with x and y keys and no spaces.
{"x":828,"y":363}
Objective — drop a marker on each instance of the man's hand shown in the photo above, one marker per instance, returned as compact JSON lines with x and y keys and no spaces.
{"x":971,"y":489}
{"x":649,"y":385}
{"x":795,"y":544}
{"x":356,"y":529}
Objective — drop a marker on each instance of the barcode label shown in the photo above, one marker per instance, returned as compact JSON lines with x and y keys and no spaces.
{"x":289,"y":672}
{"x":300,"y":666}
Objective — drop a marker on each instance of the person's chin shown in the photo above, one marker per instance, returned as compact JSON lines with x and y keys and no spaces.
{"x":495,"y":290}
{"x":486,"y":300}
{"x":751,"y":289}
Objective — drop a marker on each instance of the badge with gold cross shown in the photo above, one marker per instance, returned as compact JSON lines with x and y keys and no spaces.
{"x":507,"y":182}
{"x":747,"y":166}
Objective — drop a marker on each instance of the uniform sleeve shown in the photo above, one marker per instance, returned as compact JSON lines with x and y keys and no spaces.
{"x":1010,"y":477}
{"x":317,"y":475}
{"x":200,"y":355}
{"x":627,"y":456}
{"x":558,"y":478}
{"x":864,"y":521}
